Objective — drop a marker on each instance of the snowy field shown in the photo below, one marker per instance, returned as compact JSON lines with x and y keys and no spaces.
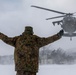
{"x":43,"y":70}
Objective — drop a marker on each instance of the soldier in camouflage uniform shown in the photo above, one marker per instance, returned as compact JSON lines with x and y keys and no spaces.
{"x":26,"y":54}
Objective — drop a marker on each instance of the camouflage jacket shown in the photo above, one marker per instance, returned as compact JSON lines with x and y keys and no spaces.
{"x":26,"y":54}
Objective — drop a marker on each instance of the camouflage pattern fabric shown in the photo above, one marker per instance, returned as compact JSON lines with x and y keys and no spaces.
{"x":26,"y":54}
{"x":25,"y":73}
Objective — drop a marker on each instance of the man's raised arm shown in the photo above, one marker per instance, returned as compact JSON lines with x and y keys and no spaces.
{"x":8,"y":40}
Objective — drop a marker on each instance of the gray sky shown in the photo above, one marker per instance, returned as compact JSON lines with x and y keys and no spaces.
{"x":16,"y":14}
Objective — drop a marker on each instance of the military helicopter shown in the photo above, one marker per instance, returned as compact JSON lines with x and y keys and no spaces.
{"x":68,"y":23}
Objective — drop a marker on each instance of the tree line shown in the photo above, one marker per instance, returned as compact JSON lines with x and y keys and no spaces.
{"x":46,"y":56}
{"x":59,"y":56}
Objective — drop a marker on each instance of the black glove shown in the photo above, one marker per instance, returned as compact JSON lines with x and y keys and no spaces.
{"x":61,"y":32}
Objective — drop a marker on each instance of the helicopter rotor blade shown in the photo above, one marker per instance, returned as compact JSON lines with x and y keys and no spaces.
{"x":48,"y":9}
{"x":54,"y":17}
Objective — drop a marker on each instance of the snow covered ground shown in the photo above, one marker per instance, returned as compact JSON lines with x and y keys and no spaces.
{"x":43,"y":70}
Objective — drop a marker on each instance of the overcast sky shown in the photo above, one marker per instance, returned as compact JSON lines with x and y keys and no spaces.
{"x":16,"y":14}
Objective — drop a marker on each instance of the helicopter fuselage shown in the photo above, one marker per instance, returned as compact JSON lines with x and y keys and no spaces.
{"x":69,"y":24}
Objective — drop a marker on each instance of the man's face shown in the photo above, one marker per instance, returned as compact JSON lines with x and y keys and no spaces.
{"x":28,"y":30}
